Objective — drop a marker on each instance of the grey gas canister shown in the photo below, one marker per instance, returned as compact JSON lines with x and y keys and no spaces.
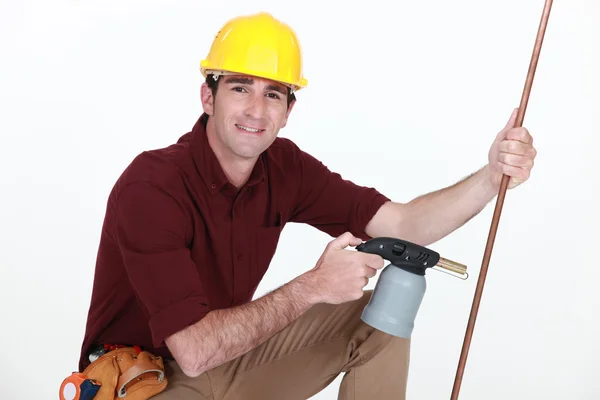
{"x":401,"y":286}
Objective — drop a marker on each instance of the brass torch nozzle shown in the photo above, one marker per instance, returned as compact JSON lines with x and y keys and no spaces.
{"x":453,"y":266}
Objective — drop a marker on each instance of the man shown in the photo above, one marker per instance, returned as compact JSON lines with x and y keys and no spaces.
{"x":191,"y":229}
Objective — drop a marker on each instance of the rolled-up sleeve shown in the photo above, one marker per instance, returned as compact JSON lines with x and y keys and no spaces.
{"x":331,"y":203}
{"x":152,"y":230}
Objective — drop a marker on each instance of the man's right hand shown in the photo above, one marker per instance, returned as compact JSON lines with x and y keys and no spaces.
{"x":340,"y":275}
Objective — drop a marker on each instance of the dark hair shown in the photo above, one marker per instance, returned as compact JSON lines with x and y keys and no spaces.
{"x":213,"y":85}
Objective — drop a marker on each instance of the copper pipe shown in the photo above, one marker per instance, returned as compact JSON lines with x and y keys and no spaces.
{"x":499,"y":203}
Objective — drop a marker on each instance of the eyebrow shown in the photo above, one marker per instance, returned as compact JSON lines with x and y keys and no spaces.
{"x":250,"y":81}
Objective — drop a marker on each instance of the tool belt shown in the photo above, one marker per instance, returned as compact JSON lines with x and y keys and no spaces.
{"x":123,"y":373}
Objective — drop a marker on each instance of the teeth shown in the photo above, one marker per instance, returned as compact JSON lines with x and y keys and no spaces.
{"x":247,"y":129}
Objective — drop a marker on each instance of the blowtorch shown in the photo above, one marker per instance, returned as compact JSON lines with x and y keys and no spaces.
{"x":401,"y":287}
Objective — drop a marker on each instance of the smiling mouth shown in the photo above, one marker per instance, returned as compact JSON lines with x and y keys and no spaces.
{"x":248,"y":129}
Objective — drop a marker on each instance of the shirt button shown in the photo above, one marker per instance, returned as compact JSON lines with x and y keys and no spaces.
{"x":213,"y":186}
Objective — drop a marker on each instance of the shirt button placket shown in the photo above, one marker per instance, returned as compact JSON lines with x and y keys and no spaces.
{"x":240,"y":268}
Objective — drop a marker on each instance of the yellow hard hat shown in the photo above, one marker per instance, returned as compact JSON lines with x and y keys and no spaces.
{"x":257,"y":45}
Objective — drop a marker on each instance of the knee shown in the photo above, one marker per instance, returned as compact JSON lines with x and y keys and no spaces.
{"x":389,"y":346}
{"x":371,"y":344}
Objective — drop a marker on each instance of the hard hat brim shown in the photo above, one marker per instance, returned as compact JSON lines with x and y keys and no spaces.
{"x":220,"y":72}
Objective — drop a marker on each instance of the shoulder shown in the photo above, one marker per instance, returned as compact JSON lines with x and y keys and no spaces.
{"x":161,"y":167}
{"x":150,"y":193}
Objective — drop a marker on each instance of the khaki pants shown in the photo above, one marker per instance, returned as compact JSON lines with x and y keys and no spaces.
{"x":303,"y":359}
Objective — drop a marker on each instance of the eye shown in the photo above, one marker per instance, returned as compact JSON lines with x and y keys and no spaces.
{"x":239,"y":89}
{"x":273,"y":95}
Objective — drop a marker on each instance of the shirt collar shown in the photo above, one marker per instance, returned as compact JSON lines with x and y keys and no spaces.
{"x":208,"y":165}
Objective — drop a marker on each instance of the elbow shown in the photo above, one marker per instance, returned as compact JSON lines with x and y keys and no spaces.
{"x":196,"y":362}
{"x":191,"y":371}
{"x":186,"y":356}
{"x":394,"y":220}
{"x":405,"y":224}
{"x":191,"y":365}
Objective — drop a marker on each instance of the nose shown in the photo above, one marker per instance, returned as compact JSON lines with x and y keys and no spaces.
{"x":256,"y":107}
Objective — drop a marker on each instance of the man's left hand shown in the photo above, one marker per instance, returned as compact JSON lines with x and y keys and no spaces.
{"x":512,"y":153}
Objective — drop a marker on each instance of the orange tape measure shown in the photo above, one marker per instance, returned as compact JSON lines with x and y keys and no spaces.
{"x":78,"y":387}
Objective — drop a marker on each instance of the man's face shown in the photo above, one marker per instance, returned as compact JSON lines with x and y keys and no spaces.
{"x":247,"y":113}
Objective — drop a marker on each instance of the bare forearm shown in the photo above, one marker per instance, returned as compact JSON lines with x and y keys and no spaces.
{"x":430,"y":217}
{"x":223,"y":335}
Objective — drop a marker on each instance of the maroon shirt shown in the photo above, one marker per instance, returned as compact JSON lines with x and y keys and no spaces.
{"x":179,"y":240}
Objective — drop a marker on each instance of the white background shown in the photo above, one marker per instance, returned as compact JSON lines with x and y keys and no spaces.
{"x":405,"y":97}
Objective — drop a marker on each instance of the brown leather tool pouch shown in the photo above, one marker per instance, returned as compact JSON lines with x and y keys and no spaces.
{"x":125,"y":374}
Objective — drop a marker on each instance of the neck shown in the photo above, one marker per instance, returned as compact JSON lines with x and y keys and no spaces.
{"x":236,"y":169}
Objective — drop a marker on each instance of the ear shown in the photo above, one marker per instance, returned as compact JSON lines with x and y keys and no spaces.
{"x":207,"y":99}
{"x":287,"y":115}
